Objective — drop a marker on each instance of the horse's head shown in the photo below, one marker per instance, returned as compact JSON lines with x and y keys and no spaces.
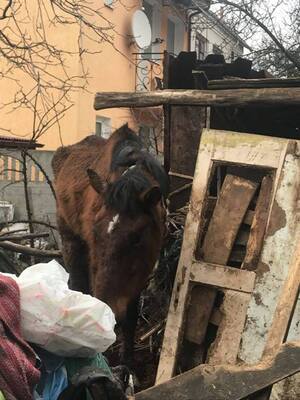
{"x":129,"y":228}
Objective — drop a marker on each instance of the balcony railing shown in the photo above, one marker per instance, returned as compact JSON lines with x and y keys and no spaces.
{"x":148,"y":71}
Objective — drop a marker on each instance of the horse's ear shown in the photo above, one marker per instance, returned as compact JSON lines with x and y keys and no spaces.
{"x":151,"y":196}
{"x":95,"y":181}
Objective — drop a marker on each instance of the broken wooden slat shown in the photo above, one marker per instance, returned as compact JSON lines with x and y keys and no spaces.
{"x":199,"y":312}
{"x":226,"y":345}
{"x":232,"y":203}
{"x":224,"y":277}
{"x":285,"y":305}
{"x":259,"y":223}
{"x":228,"y":381}
{"x":220,"y":98}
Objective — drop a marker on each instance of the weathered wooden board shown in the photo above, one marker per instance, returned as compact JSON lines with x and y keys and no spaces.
{"x":228,"y":382}
{"x":185,"y":128}
{"x":232,"y":204}
{"x":174,"y":325}
{"x":226,"y":345}
{"x":199,"y":311}
{"x":285,"y":305}
{"x":258,"y":226}
{"x":253,"y":83}
{"x":222,"y":276}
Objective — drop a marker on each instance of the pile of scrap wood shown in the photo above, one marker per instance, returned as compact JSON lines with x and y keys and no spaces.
{"x":239,"y":268}
{"x":235,"y":297}
{"x":18,"y":245}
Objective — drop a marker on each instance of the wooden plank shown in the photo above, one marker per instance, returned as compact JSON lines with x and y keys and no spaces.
{"x":258,"y":227}
{"x":199,"y":313}
{"x":233,"y":382}
{"x":186,"y":125}
{"x":285,"y":305}
{"x":235,"y":196}
{"x":253,"y":83}
{"x":232,"y":204}
{"x":220,"y":98}
{"x":224,"y":277}
{"x":226,"y":345}
{"x":245,"y":149}
{"x":174,"y":326}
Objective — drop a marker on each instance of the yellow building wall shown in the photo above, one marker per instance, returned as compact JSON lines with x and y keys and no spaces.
{"x":109,"y":70}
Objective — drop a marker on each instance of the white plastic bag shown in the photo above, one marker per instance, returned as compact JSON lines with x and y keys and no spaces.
{"x":62,"y":321}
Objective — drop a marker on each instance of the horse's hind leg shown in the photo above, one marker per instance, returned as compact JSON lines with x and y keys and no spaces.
{"x":75,"y":258}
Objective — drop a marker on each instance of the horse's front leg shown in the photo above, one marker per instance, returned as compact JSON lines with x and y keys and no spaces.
{"x":128,"y":326}
{"x":75,"y":258}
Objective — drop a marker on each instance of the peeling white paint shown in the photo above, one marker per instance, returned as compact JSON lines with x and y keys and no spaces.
{"x":277,"y":255}
{"x":112,"y":224}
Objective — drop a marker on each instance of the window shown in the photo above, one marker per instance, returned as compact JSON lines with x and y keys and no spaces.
{"x":103,"y":127}
{"x":200,"y":46}
{"x":217,"y":50}
{"x":171,"y":37}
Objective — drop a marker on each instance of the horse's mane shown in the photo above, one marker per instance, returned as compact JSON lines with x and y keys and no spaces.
{"x":128,"y":152}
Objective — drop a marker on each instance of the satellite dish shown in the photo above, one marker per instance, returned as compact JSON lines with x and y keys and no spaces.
{"x":141,"y":29}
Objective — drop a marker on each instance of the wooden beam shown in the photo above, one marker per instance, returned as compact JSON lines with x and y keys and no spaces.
{"x":253,"y":83}
{"x":224,"y":277}
{"x":232,"y":382}
{"x":220,"y":98}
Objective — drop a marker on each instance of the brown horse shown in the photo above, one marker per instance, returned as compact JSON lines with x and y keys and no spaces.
{"x":111,"y":217}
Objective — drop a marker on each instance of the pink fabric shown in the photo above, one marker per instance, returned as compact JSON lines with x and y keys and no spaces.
{"x":18,"y":374}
